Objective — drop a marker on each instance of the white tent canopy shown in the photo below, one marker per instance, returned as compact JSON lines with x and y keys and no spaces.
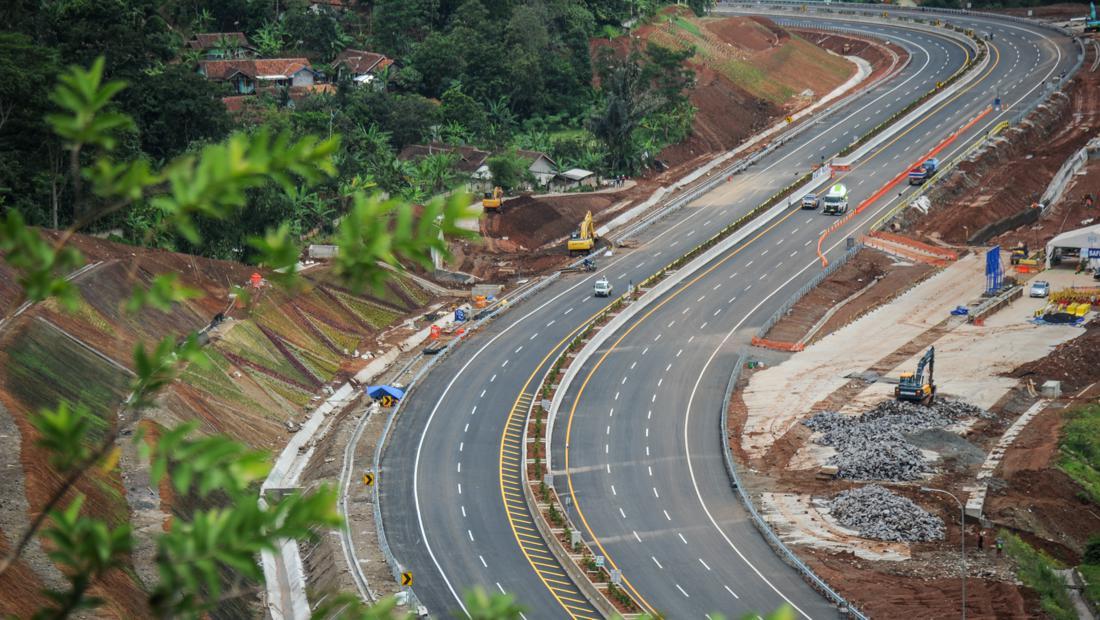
{"x":1084,"y":242}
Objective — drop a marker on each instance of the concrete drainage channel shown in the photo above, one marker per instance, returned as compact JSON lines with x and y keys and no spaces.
{"x":716,"y":246}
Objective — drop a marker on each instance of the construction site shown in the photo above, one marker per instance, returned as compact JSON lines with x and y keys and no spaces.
{"x":902,"y":391}
{"x":905,"y":388}
{"x":526,"y":234}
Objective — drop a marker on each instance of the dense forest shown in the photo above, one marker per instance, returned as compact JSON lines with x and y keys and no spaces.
{"x":499,"y":75}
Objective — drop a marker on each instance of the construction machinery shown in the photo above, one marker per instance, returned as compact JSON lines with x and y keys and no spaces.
{"x":493,"y":200}
{"x":585,"y":238}
{"x":1092,"y":24}
{"x":912,"y":387}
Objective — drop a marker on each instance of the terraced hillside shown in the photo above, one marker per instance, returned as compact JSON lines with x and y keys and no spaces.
{"x":271,"y":357}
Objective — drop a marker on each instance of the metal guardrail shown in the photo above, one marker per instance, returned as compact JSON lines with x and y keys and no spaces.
{"x":806,"y":288}
{"x":770,"y":536}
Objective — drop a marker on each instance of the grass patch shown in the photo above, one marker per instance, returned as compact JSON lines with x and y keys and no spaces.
{"x":43,"y":367}
{"x":684,"y":24}
{"x":1091,"y":573}
{"x":1036,"y":570}
{"x":1080,"y":448}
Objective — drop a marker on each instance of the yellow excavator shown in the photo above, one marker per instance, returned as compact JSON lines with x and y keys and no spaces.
{"x":585,"y":238}
{"x":912,"y":387}
{"x":492,"y":200}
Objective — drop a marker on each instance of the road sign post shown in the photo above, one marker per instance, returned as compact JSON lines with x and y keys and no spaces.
{"x":406,"y":579}
{"x":368,"y":478}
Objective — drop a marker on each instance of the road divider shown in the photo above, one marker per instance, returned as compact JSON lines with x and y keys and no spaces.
{"x":660,"y":283}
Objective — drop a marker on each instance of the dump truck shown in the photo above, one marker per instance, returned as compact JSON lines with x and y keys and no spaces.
{"x":923,"y":172}
{"x":836,"y":200}
{"x":912,"y":386}
{"x":810,"y":201}
{"x":585,"y":238}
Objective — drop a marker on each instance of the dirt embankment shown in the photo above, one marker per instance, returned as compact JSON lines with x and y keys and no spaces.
{"x":1010,"y":175}
{"x":1075,"y":363}
{"x":269,"y":360}
{"x":749,"y":73}
{"x":871,"y":278}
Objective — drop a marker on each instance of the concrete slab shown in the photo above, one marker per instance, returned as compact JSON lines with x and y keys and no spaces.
{"x":802,"y":520}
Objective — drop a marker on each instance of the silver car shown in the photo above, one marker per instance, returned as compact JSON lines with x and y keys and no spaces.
{"x":1039,"y":288}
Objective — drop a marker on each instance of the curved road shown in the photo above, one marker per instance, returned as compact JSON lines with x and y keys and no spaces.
{"x":642,"y":459}
{"x":449,"y":476}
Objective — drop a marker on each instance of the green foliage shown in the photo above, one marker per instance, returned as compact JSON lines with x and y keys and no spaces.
{"x":83,"y":95}
{"x":1036,"y":570}
{"x":510,"y":170}
{"x":1091,"y":573}
{"x":1092,"y":550}
{"x":61,"y":432}
{"x":40,"y":266}
{"x":386,"y":231}
{"x":173,"y":109}
{"x":164,"y":291}
{"x":317,"y":31}
{"x":634,"y":88}
{"x":84,"y":548}
{"x":1080,"y":448}
{"x":482,"y":606}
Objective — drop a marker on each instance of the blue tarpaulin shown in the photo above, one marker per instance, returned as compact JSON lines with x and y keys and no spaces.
{"x":378,"y":391}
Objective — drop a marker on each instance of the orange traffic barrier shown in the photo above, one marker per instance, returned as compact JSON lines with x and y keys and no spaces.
{"x":885,"y":188}
{"x":776,"y":345}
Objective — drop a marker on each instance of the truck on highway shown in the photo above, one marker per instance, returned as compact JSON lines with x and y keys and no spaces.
{"x":836,"y":200}
{"x":923,"y":172}
{"x":810,"y":201}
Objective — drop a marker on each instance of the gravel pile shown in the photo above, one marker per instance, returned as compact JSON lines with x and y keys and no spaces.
{"x":873,"y":446}
{"x":878,"y":513}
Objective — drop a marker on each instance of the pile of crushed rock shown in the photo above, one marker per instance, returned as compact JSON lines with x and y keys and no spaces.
{"x":876,"y":512}
{"x":872,"y":445}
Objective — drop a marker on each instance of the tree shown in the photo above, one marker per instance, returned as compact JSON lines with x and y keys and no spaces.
{"x":174,"y":108}
{"x":28,"y":149}
{"x":641,"y":92}
{"x":316,"y":31}
{"x":510,"y":170}
{"x":627,"y":100}
{"x":130,"y":34}
{"x":460,"y":108}
{"x":271,"y":38}
{"x":213,"y":546}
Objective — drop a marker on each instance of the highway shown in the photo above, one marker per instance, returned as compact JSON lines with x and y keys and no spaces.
{"x":651,"y":486}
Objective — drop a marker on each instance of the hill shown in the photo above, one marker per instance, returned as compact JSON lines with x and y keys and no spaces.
{"x":271,"y":357}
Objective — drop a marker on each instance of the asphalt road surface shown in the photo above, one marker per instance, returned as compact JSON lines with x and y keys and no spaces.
{"x":651,"y":487}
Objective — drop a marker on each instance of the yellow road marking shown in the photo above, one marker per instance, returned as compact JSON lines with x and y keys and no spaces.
{"x":638,"y":321}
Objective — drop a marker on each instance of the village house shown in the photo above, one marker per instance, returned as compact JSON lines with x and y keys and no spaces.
{"x":359,"y":66}
{"x":573,"y":179}
{"x":249,"y":76}
{"x":542,"y":168}
{"x":472,"y":163}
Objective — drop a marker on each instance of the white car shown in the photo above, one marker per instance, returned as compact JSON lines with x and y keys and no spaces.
{"x":1039,"y":288}
{"x":602,"y":288}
